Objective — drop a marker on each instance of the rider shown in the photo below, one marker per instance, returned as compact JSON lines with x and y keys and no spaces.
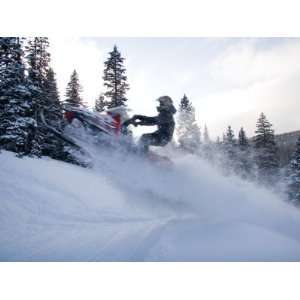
{"x":164,"y":120}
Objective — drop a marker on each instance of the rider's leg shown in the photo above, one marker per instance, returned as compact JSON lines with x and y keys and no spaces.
{"x":145,"y":141}
{"x":151,"y":139}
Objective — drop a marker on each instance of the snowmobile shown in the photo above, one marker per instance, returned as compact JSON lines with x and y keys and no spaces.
{"x":108,"y":122}
{"x":110,"y":125}
{"x":104,"y":126}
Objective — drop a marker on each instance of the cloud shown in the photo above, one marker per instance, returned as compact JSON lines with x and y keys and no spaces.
{"x":245,"y":63}
{"x":253,"y":80}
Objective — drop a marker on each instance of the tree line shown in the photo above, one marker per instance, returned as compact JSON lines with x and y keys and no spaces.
{"x":29,"y":97}
{"x":28,"y":93}
{"x":255,"y":159}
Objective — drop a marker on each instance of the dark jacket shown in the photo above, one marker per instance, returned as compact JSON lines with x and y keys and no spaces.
{"x":164,"y":121}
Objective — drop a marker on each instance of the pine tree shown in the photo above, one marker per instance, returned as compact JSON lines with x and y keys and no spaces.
{"x":100,"y":104}
{"x":17,"y":126}
{"x":188,"y":132}
{"x":46,"y":102}
{"x":266,"y":156}
{"x":244,"y":156}
{"x":52,"y":145}
{"x":207,"y":146}
{"x":226,"y":152}
{"x":242,"y":141}
{"x":38,"y":59}
{"x":230,"y":145}
{"x":54,"y":112}
{"x":115,"y":79}
{"x":206,"y":138}
{"x":73,"y":91}
{"x":294,"y":176}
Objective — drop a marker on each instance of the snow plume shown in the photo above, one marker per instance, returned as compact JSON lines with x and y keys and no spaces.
{"x":126,"y":208}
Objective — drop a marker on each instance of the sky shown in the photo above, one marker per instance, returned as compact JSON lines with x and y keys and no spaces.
{"x":230,"y":81}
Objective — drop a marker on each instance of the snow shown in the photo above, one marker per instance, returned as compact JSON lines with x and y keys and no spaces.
{"x":128,"y":209}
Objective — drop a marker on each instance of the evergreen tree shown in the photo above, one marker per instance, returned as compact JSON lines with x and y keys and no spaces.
{"x":228,"y":152}
{"x":45,"y":97}
{"x":230,"y":145}
{"x":244,"y":156}
{"x":17,"y":126}
{"x":100,"y":104}
{"x":54,"y":112}
{"x":115,"y":79}
{"x":52,"y":145}
{"x":207,"y":146}
{"x":242,"y":141}
{"x":38,"y":59}
{"x":206,"y":138}
{"x":73,"y":91}
{"x":26,"y":100}
{"x":266,"y":156}
{"x":294,"y":176}
{"x":188,"y":132}
{"x":229,"y":136}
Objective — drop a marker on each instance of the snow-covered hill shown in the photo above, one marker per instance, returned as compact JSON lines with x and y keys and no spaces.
{"x":127,"y":209}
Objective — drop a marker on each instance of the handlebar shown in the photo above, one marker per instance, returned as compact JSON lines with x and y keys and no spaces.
{"x":128,"y":122}
{"x":131,"y":122}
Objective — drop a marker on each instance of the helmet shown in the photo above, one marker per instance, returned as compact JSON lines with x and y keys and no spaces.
{"x":165,"y":100}
{"x":165,"y":104}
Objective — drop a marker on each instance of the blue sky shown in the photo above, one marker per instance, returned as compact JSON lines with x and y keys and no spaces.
{"x":229,"y":80}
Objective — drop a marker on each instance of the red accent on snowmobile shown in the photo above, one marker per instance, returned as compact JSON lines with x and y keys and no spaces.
{"x":117,"y":122}
{"x":109,"y":123}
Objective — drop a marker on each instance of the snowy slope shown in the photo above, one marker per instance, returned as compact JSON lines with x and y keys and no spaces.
{"x":126,"y":209}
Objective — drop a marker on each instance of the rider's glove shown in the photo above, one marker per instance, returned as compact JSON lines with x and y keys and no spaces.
{"x":135,"y":123}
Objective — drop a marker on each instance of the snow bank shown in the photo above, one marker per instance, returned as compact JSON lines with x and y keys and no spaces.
{"x":128,"y":209}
